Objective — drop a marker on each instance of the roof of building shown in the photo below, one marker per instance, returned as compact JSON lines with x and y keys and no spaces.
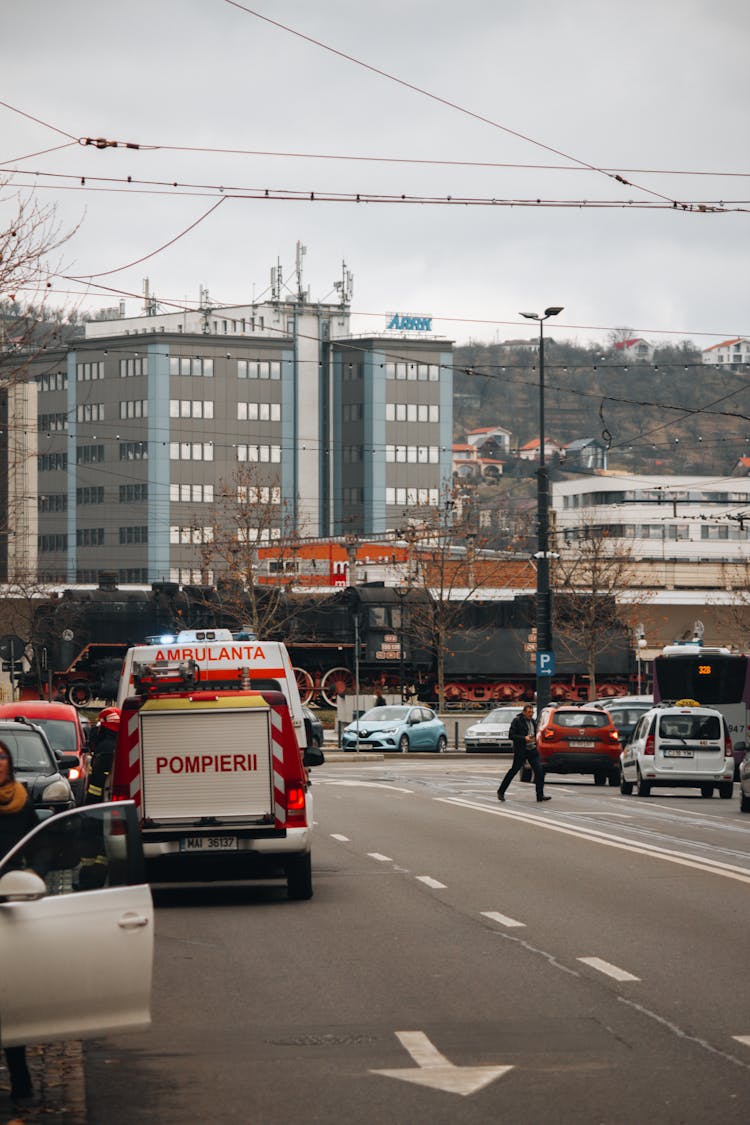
{"x":629,"y":343}
{"x":727,"y":343}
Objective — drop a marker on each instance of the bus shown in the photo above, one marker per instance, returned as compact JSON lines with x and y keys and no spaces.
{"x":714,"y":677}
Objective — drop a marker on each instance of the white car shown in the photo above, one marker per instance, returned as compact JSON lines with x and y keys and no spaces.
{"x":490,"y":734}
{"x":73,"y":892}
{"x":679,"y":746}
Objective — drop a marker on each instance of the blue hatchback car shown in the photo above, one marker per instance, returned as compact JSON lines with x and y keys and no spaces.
{"x":401,"y":728}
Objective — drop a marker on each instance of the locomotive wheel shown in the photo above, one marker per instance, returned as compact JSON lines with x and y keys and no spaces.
{"x":78,"y":694}
{"x":305,"y":685}
{"x":336,"y":682}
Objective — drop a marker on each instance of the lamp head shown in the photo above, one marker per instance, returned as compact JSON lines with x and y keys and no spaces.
{"x":553,"y":310}
{"x":530,"y":316}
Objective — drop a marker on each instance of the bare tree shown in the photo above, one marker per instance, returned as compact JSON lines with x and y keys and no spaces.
{"x":29,"y":237}
{"x":587,"y":579}
{"x":448,"y":564}
{"x":251,"y":592}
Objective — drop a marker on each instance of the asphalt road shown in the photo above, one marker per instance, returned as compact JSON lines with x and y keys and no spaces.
{"x":578,"y":962}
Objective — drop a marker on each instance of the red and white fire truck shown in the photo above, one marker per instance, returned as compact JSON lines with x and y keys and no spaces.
{"x":212,"y":749}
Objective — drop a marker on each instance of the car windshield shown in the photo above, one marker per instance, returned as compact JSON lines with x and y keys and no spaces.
{"x":500,"y":715}
{"x":581,"y":719}
{"x":689,"y":726}
{"x":28,"y":751}
{"x":385,"y":714}
{"x":623,"y":716}
{"x":61,"y":734}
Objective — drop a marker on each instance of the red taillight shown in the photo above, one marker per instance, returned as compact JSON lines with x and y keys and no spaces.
{"x":120,"y":793}
{"x":74,"y":774}
{"x":549,"y":733}
{"x":650,"y":746}
{"x":613,"y":735}
{"x":295,"y":799}
{"x":728,"y":748}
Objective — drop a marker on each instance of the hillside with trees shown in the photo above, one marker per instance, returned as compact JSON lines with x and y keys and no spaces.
{"x":671,"y":415}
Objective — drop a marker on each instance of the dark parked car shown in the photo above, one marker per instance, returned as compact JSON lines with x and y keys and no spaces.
{"x":625,"y":711}
{"x":316,"y":727}
{"x":36,"y":766}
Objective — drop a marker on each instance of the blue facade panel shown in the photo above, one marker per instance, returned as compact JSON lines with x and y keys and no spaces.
{"x":158,"y":463}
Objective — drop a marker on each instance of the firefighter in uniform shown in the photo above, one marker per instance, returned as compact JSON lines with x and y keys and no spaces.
{"x":94,"y":861}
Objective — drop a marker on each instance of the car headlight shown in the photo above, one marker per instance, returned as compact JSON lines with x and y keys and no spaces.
{"x":57,"y":791}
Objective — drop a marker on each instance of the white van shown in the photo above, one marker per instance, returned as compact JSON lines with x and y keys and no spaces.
{"x":680,"y":746}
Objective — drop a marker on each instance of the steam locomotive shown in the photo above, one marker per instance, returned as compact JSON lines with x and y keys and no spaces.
{"x":378,"y":636}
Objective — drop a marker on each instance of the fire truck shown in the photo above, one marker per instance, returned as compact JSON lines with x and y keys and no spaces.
{"x":213,"y":750}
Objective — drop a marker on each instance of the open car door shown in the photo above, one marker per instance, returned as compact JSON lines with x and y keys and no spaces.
{"x":76,"y":929}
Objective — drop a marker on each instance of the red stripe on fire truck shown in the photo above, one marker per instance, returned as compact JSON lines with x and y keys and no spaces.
{"x":277,"y":753}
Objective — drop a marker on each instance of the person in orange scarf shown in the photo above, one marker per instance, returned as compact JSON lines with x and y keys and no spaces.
{"x":17,"y":817}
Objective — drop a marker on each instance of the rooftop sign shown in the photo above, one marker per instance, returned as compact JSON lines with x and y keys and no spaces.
{"x":401,"y":322}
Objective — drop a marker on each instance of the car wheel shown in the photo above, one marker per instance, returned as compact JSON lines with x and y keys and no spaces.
{"x":600,"y":778}
{"x":403,"y":744}
{"x":726,"y":788}
{"x":614,"y":777}
{"x":526,"y":773}
{"x":299,"y":877}
{"x":626,"y":787}
{"x":707,"y":791}
{"x":744,"y":803}
{"x":442,"y":744}
{"x":643,"y":788}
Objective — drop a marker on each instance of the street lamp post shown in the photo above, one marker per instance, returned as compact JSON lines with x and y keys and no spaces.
{"x":545,"y":662}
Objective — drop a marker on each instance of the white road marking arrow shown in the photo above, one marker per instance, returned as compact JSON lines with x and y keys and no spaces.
{"x":433,"y":1069}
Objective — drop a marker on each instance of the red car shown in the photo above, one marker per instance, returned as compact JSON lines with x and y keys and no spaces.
{"x":577,"y":740}
{"x":64,"y":731}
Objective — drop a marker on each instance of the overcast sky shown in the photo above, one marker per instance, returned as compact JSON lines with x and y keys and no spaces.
{"x":642,"y":88}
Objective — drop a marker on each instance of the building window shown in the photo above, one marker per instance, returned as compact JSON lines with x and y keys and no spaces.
{"x":191,"y":493}
{"x":133,"y":493}
{"x":57,"y":502}
{"x":258,"y":411}
{"x":87,"y":372}
{"x":191,"y":408}
{"x":191,"y":451}
{"x":136,"y":365}
{"x":133,"y":535}
{"x":134,"y":451}
{"x":185,"y":536}
{"x":90,"y":537}
{"x":264,"y":453}
{"x":50,"y":462}
{"x":195,"y":366}
{"x":92,"y":495}
{"x":52,"y":423}
{"x":258,"y":369}
{"x":89,"y":454}
{"x":134,"y":408}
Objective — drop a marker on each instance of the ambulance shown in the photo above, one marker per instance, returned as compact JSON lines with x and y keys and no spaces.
{"x":213,"y":749}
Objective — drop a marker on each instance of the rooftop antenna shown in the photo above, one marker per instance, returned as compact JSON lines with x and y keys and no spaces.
{"x":301,"y":251}
{"x":276,"y":281}
{"x":149,"y":301}
{"x":345,"y":287}
{"x":204,"y":305}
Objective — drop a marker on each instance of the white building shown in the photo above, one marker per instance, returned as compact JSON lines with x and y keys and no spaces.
{"x":678,"y":518}
{"x":728,"y":352}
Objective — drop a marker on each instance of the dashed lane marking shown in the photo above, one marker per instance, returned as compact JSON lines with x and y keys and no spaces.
{"x":341,"y":839}
{"x":605,"y":967}
{"x":503,"y":919}
{"x":743,"y":1039}
{"x":380,"y":858}
{"x":430,"y":882}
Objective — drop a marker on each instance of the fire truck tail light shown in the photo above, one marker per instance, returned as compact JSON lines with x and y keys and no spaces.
{"x":120,"y":793}
{"x":295,"y":799}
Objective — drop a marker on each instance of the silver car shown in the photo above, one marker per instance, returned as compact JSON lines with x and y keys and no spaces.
{"x":490,"y":734}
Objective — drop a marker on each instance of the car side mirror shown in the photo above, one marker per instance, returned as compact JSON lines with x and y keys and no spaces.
{"x":21,"y":886}
{"x":67,"y":762}
{"x":313,"y":756}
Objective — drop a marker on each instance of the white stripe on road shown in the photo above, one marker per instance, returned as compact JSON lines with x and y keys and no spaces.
{"x":605,"y":967}
{"x":594,"y":836}
{"x":503,"y":919}
{"x":743,"y":1039}
{"x":429,"y":882}
{"x":379,"y":857}
{"x":343,"y":839}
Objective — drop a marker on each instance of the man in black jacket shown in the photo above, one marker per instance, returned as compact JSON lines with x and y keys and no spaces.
{"x":523,"y":736}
